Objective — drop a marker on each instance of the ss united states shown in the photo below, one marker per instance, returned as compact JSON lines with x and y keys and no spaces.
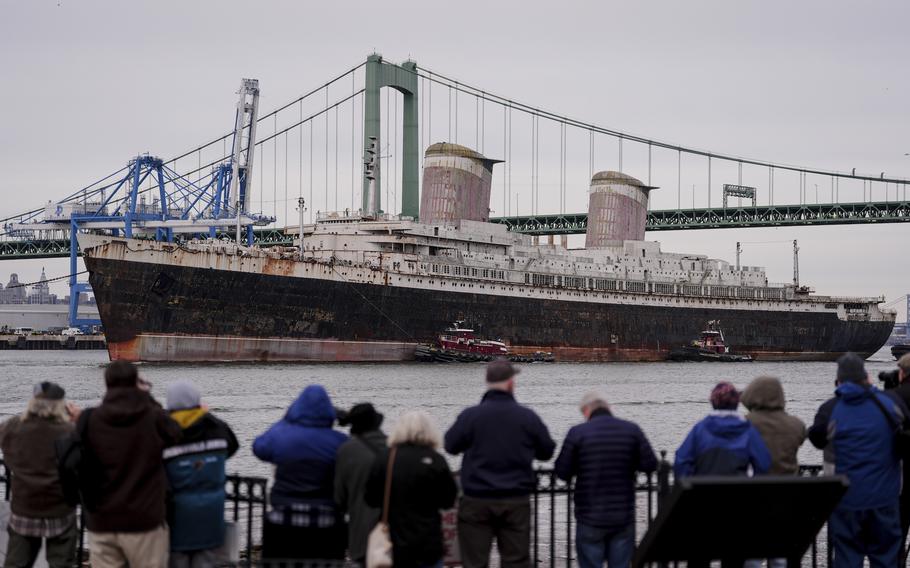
{"x":371,"y":287}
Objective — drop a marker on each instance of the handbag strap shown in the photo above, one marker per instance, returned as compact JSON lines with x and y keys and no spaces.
{"x":388,"y":485}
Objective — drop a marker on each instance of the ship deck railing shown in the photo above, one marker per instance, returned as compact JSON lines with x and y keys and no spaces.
{"x":552,"y":520}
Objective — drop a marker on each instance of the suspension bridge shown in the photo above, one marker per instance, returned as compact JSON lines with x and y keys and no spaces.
{"x":320,"y":154}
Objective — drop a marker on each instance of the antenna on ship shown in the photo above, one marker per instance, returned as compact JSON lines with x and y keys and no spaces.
{"x":301,"y":209}
{"x":795,"y":264}
{"x":739,"y":249}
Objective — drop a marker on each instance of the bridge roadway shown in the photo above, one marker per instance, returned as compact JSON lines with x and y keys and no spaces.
{"x":567,"y":224}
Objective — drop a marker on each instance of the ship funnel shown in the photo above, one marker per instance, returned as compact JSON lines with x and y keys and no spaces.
{"x":456,"y":185}
{"x":617,"y":210}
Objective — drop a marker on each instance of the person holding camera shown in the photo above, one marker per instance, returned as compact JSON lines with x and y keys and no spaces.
{"x":898,"y":382}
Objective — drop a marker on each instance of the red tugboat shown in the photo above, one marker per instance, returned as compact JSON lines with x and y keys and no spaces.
{"x":710,"y":347}
{"x":459,"y":343}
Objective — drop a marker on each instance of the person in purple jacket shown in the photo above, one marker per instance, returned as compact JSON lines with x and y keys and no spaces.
{"x":604,"y":454}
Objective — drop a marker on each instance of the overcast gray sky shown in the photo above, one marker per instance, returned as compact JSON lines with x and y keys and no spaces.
{"x":89,"y":84}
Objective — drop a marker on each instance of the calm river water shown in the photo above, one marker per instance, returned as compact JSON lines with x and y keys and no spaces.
{"x":664,"y":398}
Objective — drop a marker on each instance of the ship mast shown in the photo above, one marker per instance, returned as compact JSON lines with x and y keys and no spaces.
{"x":795,"y":264}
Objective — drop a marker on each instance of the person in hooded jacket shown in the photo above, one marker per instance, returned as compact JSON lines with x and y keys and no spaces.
{"x":421,"y":486}
{"x":303,"y":522}
{"x":352,"y":469}
{"x":126,"y":436}
{"x":195,"y":469}
{"x":860,"y":440}
{"x":723,"y":443}
{"x":782,"y":433}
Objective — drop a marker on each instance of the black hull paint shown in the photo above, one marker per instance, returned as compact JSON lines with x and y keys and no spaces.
{"x":136,"y":299}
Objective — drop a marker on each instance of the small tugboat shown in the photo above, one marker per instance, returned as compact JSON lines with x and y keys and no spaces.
{"x":898,"y":351}
{"x":710,"y":347}
{"x":461,"y":344}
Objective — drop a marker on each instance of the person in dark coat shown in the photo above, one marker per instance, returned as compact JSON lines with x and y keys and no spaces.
{"x":781,"y":432}
{"x":500,"y":440}
{"x":352,"y":469}
{"x":902,"y":392}
{"x":39,"y":512}
{"x":604,"y":454}
{"x":723,"y":443}
{"x":422,"y":485}
{"x":303,"y":522}
{"x":127,"y":435}
{"x":195,"y":469}
{"x":860,"y":441}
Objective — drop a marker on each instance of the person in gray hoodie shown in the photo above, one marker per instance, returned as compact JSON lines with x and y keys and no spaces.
{"x":782,"y":433}
{"x":353,"y":462}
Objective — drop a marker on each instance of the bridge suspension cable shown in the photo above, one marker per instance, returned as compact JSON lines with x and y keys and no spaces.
{"x":461,"y":86}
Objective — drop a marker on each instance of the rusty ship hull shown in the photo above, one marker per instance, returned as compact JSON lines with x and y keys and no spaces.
{"x":159,"y":302}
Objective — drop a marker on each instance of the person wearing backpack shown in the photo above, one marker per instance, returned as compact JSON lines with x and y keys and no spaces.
{"x":126,"y":437}
{"x":352,"y":468}
{"x":858,"y":430}
{"x":196,"y":472}
{"x":40,"y":512}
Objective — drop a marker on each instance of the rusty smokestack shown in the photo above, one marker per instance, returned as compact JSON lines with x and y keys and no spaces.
{"x":456,"y":185}
{"x":617,"y":210}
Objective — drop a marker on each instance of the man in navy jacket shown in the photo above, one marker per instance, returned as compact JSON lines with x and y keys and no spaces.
{"x":500,"y":439}
{"x":604,"y":454}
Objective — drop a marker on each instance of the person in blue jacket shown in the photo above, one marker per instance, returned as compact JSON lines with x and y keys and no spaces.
{"x":723,"y":443}
{"x":195,"y":471}
{"x":861,"y":430}
{"x":303,"y":522}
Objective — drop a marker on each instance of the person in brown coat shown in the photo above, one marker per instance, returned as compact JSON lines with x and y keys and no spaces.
{"x":127,"y":435}
{"x":782,"y":433}
{"x":39,"y":511}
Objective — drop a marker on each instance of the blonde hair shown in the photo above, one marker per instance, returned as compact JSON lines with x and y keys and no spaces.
{"x":415,"y":427}
{"x":44,"y":408}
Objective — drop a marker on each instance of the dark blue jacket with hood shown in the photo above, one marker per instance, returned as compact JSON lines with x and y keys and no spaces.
{"x":724,"y":443}
{"x":862,"y":440}
{"x":302,"y":445}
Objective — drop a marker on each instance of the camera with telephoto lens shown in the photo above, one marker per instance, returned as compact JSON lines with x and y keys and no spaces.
{"x":889,"y":379}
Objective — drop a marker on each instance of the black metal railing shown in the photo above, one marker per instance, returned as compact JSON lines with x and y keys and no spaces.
{"x":552,"y":521}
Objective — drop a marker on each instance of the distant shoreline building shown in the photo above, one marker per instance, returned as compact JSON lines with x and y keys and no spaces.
{"x":17,"y":293}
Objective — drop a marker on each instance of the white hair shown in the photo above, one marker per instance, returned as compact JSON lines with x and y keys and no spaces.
{"x":593,"y":400}
{"x":415,"y":427}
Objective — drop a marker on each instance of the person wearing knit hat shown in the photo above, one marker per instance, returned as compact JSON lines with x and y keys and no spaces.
{"x":196,"y":471}
{"x":352,"y":470}
{"x":723,"y":443}
{"x":39,"y":511}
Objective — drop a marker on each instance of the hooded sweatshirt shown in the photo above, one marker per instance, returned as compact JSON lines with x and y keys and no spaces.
{"x":724,"y":443}
{"x":302,"y":445}
{"x":862,"y":440}
{"x":127,"y":435}
{"x":782,"y":433}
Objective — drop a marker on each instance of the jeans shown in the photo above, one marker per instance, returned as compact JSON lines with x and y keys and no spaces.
{"x":872,"y":533}
{"x":595,"y":545}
